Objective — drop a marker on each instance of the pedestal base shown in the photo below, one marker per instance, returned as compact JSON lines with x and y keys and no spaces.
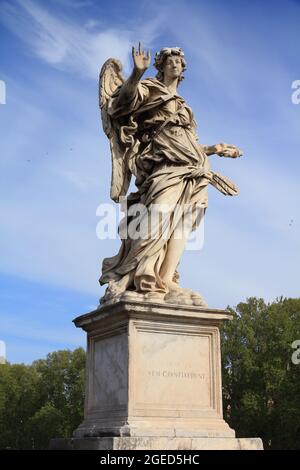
{"x":153,"y":380}
{"x":157,"y":443}
{"x":153,"y":369}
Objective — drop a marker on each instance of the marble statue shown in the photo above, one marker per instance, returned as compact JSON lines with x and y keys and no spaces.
{"x":152,"y":134}
{"x":153,"y":375}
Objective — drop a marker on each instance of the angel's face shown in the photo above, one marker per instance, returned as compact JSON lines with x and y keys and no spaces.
{"x":172,"y":67}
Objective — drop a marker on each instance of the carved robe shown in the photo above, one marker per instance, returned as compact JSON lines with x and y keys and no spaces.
{"x":163,"y":160}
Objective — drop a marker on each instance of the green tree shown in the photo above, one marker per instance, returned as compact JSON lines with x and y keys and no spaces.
{"x":20,"y":396}
{"x":261,"y":385}
{"x":47,"y":423}
{"x":63,"y":377}
{"x":41,"y":401}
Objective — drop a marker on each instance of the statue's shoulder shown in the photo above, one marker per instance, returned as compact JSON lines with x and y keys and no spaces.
{"x":153,"y":84}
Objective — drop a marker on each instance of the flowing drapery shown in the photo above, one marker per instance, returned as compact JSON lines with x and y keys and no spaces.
{"x":163,"y":163}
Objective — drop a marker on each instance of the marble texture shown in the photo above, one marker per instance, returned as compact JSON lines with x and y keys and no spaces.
{"x":153,"y":370}
{"x":153,"y":136}
{"x":157,"y":443}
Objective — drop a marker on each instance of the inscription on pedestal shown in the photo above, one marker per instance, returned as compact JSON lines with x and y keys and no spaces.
{"x":176,"y":374}
{"x":173,"y":369}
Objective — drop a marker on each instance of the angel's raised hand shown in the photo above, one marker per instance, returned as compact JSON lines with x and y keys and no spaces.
{"x":141,"y":59}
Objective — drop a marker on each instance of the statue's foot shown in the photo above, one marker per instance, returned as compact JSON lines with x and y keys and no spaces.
{"x":180,"y":295}
{"x":174,"y":288}
{"x":116,"y":291}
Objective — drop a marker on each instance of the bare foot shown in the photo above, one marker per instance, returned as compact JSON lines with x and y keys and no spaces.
{"x":186,"y":296}
{"x":175,"y":288}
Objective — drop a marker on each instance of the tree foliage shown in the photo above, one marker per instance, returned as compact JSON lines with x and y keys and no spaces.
{"x":41,"y":401}
{"x":261,"y":385}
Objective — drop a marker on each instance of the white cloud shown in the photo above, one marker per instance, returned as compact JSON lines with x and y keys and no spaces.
{"x":48,"y":223}
{"x":68,"y":45}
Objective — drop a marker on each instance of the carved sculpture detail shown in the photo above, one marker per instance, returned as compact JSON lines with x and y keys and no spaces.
{"x":152,"y":134}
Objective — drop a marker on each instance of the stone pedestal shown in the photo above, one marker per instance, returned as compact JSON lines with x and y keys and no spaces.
{"x":157,"y":443}
{"x":153,"y":379}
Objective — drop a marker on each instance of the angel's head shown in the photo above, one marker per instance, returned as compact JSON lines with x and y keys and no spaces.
{"x":170,"y":62}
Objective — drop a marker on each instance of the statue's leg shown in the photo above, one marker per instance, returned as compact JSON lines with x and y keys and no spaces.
{"x":176,"y":245}
{"x":177,"y":294}
{"x":174,"y":252}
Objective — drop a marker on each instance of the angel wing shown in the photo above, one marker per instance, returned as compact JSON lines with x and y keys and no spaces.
{"x":110,"y":79}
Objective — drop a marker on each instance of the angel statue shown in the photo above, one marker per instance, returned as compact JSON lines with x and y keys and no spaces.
{"x":152,"y":134}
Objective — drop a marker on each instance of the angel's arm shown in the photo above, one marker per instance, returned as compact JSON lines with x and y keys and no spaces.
{"x":141,"y":62}
{"x":223,"y":150}
{"x":209,"y":149}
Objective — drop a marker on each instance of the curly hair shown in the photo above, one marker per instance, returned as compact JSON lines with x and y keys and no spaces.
{"x":162,"y":55}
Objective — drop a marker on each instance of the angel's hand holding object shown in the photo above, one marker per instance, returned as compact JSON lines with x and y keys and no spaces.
{"x":227,"y":150}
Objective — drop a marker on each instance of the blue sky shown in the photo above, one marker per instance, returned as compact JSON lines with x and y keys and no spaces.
{"x":55,"y":162}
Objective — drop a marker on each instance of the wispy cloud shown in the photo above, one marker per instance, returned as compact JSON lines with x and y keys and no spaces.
{"x":48,"y":228}
{"x":74,"y":3}
{"x":69,"y":45}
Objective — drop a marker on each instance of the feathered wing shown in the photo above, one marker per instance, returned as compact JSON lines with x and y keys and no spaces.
{"x":109,"y":80}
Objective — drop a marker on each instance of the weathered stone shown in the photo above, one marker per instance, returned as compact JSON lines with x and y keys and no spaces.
{"x":153,"y":369}
{"x":157,"y":443}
